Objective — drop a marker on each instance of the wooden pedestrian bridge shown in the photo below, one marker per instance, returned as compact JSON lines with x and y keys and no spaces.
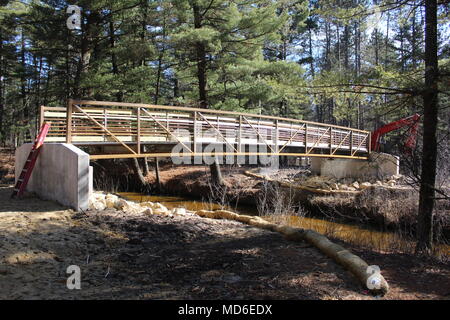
{"x":110,"y":130}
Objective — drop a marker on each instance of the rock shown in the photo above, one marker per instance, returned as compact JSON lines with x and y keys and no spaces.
{"x":98,"y":205}
{"x":355,"y":185}
{"x":110,"y":200}
{"x":121,"y":204}
{"x":147,"y":204}
{"x":98,"y":197}
{"x":379,"y":183}
{"x":133,"y":208}
{"x":148,"y":211}
{"x":391,"y":183}
{"x":343,"y":187}
{"x":365,"y":185}
{"x":161,"y":211}
{"x":351,"y":189}
{"x":158,"y":208}
{"x":158,"y":205}
{"x":179,"y":211}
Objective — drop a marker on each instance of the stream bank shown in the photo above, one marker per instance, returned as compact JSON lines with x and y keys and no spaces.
{"x":381,"y":217}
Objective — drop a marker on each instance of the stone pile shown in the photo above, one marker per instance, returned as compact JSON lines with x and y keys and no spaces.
{"x":332,"y":184}
{"x":101,"y":201}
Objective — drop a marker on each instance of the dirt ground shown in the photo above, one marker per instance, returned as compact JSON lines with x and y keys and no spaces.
{"x":6,"y":167}
{"x":134,"y":256}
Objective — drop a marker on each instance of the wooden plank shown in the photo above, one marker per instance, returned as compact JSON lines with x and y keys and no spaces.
{"x":357,"y":149}
{"x":106,"y":130}
{"x":194,"y":138}
{"x":167,"y":130}
{"x":41,"y":116}
{"x":138,"y":135}
{"x":257,"y":132}
{"x":240,"y":135}
{"x":317,"y":142}
{"x":189,"y":109}
{"x":340,"y":144}
{"x":219,"y":154}
{"x":292,"y":137}
{"x":218,"y":131}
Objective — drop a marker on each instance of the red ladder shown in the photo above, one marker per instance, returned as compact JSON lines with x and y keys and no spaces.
{"x":25,"y":175}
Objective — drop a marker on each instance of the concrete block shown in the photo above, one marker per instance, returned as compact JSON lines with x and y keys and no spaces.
{"x":62,"y":173}
{"x":379,"y":165}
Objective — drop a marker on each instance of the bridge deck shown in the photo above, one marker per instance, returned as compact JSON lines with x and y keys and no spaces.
{"x":140,"y":127}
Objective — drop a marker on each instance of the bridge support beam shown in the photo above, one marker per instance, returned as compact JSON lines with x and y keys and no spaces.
{"x":62,"y":174}
{"x":379,"y":165}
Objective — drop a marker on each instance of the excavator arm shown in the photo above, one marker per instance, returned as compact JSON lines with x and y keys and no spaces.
{"x":412,"y":122}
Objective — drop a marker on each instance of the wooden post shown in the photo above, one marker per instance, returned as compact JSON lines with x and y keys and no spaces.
{"x":331,"y":140}
{"x":194,"y":138}
{"x":138,"y":137}
{"x":167,"y":125}
{"x":41,"y":117}
{"x":306,"y":138}
{"x":105,"y":119}
{"x":69,"y":121}
{"x":277,"y":136}
{"x":351,"y":142}
{"x":239,"y":139}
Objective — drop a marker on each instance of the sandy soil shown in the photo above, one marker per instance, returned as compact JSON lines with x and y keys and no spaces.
{"x":134,"y":256}
{"x":6,"y":167}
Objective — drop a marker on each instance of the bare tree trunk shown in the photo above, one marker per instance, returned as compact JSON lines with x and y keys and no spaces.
{"x":138,"y":172}
{"x":158,"y":178}
{"x":146,"y":169}
{"x":216,"y":174}
{"x":430,"y":120}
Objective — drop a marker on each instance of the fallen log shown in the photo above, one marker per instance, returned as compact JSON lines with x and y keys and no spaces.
{"x":369,"y":276}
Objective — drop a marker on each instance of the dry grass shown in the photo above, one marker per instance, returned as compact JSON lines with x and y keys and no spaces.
{"x":393,"y":212}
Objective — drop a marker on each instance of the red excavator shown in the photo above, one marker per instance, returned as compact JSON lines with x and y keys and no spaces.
{"x":410,"y":143}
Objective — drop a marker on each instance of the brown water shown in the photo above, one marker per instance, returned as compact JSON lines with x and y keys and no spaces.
{"x":379,"y":240}
{"x":172,"y":202}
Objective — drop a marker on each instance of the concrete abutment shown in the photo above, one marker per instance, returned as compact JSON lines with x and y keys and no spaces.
{"x":62,"y":173}
{"x":379,"y":165}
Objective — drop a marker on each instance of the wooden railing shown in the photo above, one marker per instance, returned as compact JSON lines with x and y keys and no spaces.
{"x":133,"y":125}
